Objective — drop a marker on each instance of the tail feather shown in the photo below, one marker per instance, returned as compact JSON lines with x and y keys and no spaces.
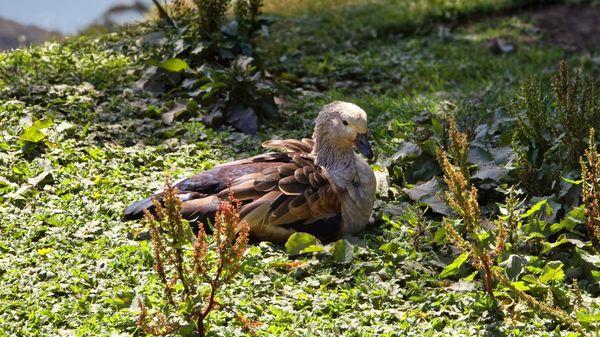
{"x":193,"y":205}
{"x":201,"y":209}
{"x":136,"y":210}
{"x":208,"y":183}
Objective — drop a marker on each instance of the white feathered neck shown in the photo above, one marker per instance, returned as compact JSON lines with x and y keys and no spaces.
{"x":351,"y":173}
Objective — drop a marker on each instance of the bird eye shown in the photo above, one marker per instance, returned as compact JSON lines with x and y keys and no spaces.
{"x":345,"y":122}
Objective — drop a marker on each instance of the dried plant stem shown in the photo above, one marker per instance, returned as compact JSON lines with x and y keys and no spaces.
{"x":459,"y":147}
{"x":170,"y":235}
{"x":590,"y":174}
{"x":545,"y":308}
{"x":462,"y":198}
{"x":214,"y":285}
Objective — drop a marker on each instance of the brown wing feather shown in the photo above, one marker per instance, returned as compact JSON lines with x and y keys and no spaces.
{"x":266,"y":183}
{"x":299,"y":207}
{"x":244,"y":191}
{"x":291,"y":145}
{"x":213,"y":181}
{"x":308,"y":170}
{"x":287,"y":169}
{"x":281,"y":210}
{"x":309,"y":141}
{"x":281,"y":192}
{"x":200,"y":209}
{"x":291,"y":186}
{"x":268,"y":198}
{"x":295,"y":192}
{"x":302,"y":161}
{"x":300,"y":176}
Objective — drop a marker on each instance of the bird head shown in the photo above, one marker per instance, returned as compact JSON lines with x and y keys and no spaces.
{"x":343,"y":125}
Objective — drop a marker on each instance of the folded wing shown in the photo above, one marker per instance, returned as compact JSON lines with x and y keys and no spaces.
{"x":280,"y":193}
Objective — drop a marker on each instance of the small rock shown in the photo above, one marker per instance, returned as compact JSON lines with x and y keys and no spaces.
{"x":500,"y":46}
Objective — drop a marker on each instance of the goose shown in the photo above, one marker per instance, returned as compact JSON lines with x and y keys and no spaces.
{"x":319,"y":185}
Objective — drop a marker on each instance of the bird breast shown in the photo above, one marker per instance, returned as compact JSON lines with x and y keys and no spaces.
{"x":357,"y":202}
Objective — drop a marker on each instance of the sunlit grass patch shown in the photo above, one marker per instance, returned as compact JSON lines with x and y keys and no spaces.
{"x":70,"y":266}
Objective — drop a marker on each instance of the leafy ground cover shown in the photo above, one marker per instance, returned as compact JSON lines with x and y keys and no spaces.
{"x":79,"y":141}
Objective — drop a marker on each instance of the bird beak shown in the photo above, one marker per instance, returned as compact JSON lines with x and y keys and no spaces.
{"x":362,"y":144}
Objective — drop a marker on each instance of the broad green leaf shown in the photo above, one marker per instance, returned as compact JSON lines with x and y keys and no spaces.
{"x":390,"y":247}
{"x":189,"y":234}
{"x":254,"y":251}
{"x":520,"y":285}
{"x":482,"y":236}
{"x":393,"y":248}
{"x":32,"y":135}
{"x":574,"y":217}
{"x":480,"y":155}
{"x":536,"y":208}
{"x":553,"y":271}
{"x":453,"y":267}
{"x":312,"y":249}
{"x":593,"y":259}
{"x":299,"y":241}
{"x":583,"y":316}
{"x":491,"y":172}
{"x":529,"y":279}
{"x":427,"y":193}
{"x":550,"y":246}
{"x":570,"y":181}
{"x":514,"y":266}
{"x":407,"y":150}
{"x":578,"y":213}
{"x":437,"y":127}
{"x":535,"y":235}
{"x":342,"y":251}
{"x":34,"y":181}
{"x":471,"y":277}
{"x":440,"y":235}
{"x":174,"y":65}
{"x":34,"y":132}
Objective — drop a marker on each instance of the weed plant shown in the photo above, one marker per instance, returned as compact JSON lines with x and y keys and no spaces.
{"x":192,"y":269}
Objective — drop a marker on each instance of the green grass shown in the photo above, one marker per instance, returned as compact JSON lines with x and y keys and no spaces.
{"x":68,"y":265}
{"x":390,"y":16}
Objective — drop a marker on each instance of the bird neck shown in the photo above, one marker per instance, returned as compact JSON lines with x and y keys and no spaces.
{"x":330,"y":154}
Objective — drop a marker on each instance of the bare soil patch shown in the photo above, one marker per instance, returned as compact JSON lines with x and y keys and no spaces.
{"x":573,"y":27}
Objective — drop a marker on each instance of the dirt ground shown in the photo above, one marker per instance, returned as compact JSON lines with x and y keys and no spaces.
{"x":573,"y":27}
